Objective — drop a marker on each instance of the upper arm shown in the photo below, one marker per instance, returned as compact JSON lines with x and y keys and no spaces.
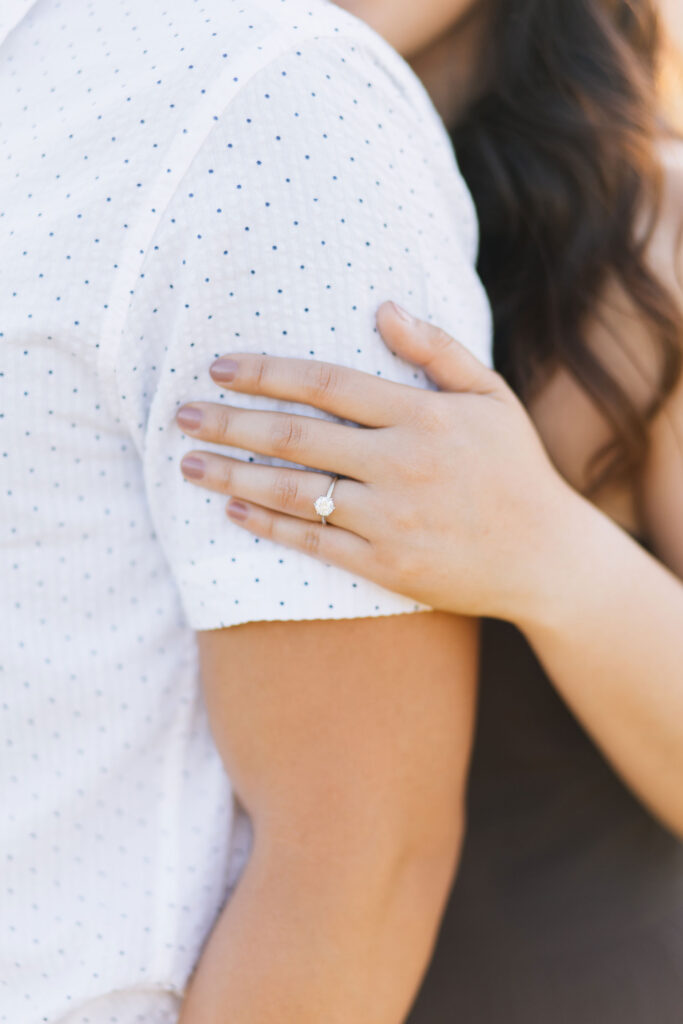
{"x":319,"y":194}
{"x":368,"y":722}
{"x":325,"y":199}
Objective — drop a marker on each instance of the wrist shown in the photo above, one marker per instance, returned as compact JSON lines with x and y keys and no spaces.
{"x":564,"y":542}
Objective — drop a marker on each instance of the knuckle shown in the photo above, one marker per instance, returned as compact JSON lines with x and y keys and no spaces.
{"x":221,"y":421}
{"x":397,"y":565}
{"x":418,"y":466}
{"x":323,"y":380}
{"x":405,"y":470}
{"x":429,"y":414}
{"x":405,"y":521}
{"x":285,"y":491}
{"x":268,"y":530}
{"x":311,"y":539}
{"x":259,"y":372}
{"x":227,"y":477}
{"x":287,"y":436}
{"x":407,"y":565}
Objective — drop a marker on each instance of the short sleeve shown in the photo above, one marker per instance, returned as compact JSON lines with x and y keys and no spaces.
{"x":322,"y":190}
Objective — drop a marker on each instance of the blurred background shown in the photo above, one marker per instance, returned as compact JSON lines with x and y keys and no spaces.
{"x":438,"y":1002}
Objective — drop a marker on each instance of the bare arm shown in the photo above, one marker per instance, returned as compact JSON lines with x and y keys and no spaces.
{"x":462,"y":509}
{"x":611,"y":635}
{"x":609,"y":629}
{"x":608,"y":617}
{"x":348,"y":743}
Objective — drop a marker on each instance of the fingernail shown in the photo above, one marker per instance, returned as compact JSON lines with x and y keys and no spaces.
{"x":401,"y":314}
{"x":238,"y":510}
{"x":224,"y":370}
{"x":193,"y":467}
{"x":190,"y":417}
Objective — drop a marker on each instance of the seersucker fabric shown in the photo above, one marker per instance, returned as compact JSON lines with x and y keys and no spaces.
{"x":180,"y":179}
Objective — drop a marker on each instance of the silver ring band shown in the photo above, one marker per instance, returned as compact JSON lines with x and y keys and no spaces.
{"x":324,"y":505}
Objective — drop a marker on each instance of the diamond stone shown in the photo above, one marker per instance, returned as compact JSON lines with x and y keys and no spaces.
{"x":324,"y":506}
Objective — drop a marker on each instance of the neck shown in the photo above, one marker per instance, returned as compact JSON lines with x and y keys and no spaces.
{"x":450,"y":68}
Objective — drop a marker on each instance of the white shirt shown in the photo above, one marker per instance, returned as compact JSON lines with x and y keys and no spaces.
{"x":180,"y":179}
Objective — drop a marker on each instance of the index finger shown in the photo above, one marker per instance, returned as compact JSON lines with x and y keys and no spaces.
{"x":349,"y":394}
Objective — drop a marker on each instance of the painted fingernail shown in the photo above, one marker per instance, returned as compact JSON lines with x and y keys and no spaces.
{"x":193,"y":466}
{"x":238,"y":510}
{"x":402,"y":314}
{"x":189,"y":417}
{"x":224,"y":370}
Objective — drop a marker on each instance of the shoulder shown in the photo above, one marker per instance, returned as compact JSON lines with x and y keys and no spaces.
{"x":671,"y":155}
{"x":662,"y":484}
{"x":621,"y":337}
{"x":575,"y":428}
{"x":235,"y":41}
{"x":340,"y":74}
{"x":666,"y":249}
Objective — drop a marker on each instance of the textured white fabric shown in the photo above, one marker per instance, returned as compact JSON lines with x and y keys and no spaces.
{"x":180,"y":179}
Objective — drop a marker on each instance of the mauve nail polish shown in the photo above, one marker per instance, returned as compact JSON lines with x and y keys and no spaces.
{"x":238,"y":510}
{"x":193,"y":467}
{"x":402,"y":314}
{"x":189,"y":417}
{"x":224,"y":370}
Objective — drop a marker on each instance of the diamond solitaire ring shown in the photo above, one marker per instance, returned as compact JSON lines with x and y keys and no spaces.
{"x":324,"y":505}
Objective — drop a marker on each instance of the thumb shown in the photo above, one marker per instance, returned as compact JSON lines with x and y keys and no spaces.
{"x":449,"y":364}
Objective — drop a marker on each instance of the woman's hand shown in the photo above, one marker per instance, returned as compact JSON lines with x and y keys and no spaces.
{"x":447,"y":497}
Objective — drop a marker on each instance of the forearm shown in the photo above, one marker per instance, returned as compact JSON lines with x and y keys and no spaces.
{"x":301,"y":943}
{"x":607,"y":622}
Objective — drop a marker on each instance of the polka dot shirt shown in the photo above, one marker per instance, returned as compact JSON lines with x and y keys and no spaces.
{"x":181,"y":179}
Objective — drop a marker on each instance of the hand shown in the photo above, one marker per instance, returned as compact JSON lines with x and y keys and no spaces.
{"x":447,"y":497}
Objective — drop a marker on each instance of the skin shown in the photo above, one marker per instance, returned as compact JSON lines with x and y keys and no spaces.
{"x":477,"y":520}
{"x":348,"y":744}
{"x":441,"y":39}
{"x":354,"y":783}
{"x":408,"y":26}
{"x":340,"y":902}
{"x":485,"y":516}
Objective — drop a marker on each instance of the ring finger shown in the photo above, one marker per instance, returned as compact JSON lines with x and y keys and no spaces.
{"x":292,"y":491}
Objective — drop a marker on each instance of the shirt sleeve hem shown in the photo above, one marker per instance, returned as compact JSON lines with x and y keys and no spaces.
{"x":210,"y":606}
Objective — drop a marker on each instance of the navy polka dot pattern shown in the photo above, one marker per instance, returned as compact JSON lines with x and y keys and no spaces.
{"x":180,"y":180}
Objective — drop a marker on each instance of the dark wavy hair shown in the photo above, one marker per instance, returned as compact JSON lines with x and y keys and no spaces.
{"x":560,"y":151}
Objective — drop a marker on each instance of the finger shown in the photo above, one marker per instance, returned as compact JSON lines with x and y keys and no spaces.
{"x":326,"y":543}
{"x":317,"y":443}
{"x":449,"y":364}
{"x":349,"y":394}
{"x":293,"y":491}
